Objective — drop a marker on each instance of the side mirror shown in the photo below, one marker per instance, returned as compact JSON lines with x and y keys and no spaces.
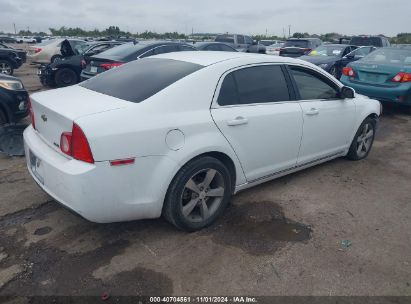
{"x":347,"y":92}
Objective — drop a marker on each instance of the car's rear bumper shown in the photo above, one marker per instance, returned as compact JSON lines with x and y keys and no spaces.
{"x":100,"y":192}
{"x":85,"y":76}
{"x":400,"y":94}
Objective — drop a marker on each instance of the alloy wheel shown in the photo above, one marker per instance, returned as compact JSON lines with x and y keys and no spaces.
{"x":364,"y":140}
{"x":202,"y":195}
{"x":5,"y":68}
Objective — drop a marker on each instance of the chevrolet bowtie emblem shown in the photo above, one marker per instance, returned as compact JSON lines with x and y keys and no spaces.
{"x":44,"y":117}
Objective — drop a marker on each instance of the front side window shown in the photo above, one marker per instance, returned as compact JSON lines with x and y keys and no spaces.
{"x":313,"y":86}
{"x":259,"y":84}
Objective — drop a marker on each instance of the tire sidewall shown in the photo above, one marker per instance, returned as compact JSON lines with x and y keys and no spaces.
{"x":173,"y":198}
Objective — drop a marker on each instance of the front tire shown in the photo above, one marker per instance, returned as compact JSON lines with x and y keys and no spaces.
{"x":363,"y":140}
{"x":65,"y":77}
{"x":198,"y":194}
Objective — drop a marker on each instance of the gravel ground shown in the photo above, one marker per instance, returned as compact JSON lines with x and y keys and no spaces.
{"x":280,"y":238}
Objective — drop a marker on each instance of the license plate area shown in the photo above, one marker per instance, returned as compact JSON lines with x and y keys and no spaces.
{"x":93,"y":69}
{"x":36,"y":166}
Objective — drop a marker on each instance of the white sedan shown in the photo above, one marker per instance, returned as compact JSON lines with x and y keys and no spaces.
{"x":177,"y":134}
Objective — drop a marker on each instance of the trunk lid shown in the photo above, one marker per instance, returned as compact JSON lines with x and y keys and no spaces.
{"x":93,"y":66}
{"x":56,"y":110}
{"x":379,"y":74}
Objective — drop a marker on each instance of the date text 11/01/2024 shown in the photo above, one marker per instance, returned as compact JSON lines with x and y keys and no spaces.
{"x":203,"y":299}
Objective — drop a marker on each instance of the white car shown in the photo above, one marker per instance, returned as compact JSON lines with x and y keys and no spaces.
{"x":49,"y":50}
{"x":274,"y":49}
{"x":26,"y":39}
{"x":177,"y":134}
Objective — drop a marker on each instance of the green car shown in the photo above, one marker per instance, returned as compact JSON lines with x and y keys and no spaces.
{"x":384,"y":74}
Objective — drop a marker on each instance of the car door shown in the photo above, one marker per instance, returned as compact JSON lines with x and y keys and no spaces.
{"x":256,"y":111}
{"x":328,"y":119}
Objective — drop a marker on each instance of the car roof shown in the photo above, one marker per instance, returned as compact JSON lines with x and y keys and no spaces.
{"x":209,"y":58}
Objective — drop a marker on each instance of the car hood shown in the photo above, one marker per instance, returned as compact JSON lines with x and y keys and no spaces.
{"x":319,"y":59}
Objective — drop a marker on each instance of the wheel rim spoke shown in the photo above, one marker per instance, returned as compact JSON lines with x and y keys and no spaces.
{"x":369,"y":135}
{"x":192,"y":186}
{"x":187,"y":209}
{"x":205,"y":213}
{"x":217,"y":192}
{"x":360,"y":147}
{"x":209,"y":177}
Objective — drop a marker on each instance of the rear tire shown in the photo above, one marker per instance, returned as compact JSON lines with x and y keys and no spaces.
{"x":363,"y":140}
{"x":65,"y":77}
{"x":6,"y":67}
{"x":198,"y":194}
{"x":55,"y":58}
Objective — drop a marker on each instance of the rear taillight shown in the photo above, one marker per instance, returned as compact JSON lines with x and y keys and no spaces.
{"x":33,"y":121}
{"x":37,"y":50}
{"x":83,"y":63}
{"x":347,"y":71}
{"x":75,"y":144}
{"x":402,"y":77}
{"x":108,"y":66}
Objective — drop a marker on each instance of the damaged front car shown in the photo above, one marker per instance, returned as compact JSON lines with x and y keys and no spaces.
{"x":66,"y":72}
{"x":14,"y":100}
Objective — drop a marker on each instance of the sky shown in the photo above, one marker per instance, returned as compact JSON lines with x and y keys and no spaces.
{"x":273,"y":17}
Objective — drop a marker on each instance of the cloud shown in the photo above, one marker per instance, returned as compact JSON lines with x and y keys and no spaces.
{"x":249,"y":17}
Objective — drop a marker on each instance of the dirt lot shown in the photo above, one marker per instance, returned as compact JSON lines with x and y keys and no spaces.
{"x":281,"y":238}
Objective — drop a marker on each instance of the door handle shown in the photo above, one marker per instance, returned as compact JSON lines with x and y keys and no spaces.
{"x":237,"y":121}
{"x":312,"y":111}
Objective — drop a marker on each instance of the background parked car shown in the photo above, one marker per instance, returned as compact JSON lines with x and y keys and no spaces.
{"x":274,"y":49}
{"x":377,"y":41}
{"x":329,"y":57}
{"x":6,"y":39}
{"x":355,"y":55}
{"x":20,"y":52}
{"x":214,"y":46}
{"x":14,"y":100}
{"x":297,"y":47}
{"x":67,"y":71}
{"x":384,"y":74}
{"x":270,"y":42}
{"x":9,"y":60}
{"x":49,"y":50}
{"x":241,"y":43}
{"x":128,"y":52}
{"x":26,"y":39}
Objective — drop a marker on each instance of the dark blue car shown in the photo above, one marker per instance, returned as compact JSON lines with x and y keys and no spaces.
{"x":334,"y":57}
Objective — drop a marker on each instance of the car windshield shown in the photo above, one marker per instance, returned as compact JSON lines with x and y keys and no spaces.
{"x":296,"y":43}
{"x":390,"y":56}
{"x":366,"y":41}
{"x":225,"y":39}
{"x":267,"y":42}
{"x":327,"y":50}
{"x":140,"y":79}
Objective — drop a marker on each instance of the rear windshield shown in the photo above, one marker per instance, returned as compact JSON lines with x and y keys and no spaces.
{"x":296,"y":43}
{"x":123,"y":51}
{"x":140,"y":79}
{"x":225,"y":39}
{"x":390,"y":56}
{"x":328,"y":50}
{"x":366,"y":41}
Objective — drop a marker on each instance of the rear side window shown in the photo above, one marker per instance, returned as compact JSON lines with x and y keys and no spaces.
{"x":224,"y":38}
{"x":260,"y":84}
{"x":312,"y":86}
{"x":166,"y":49}
{"x":240,"y":39}
{"x":140,"y":79}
